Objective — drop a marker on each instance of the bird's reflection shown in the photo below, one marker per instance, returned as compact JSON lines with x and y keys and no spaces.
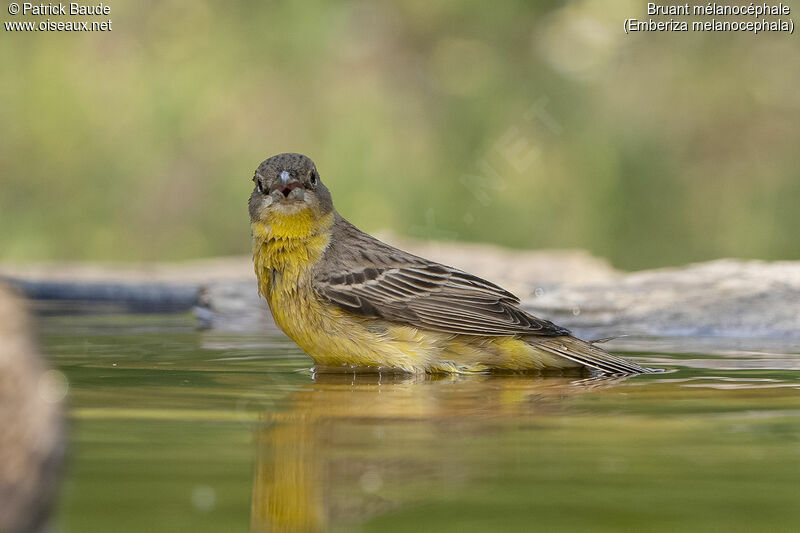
{"x":344,"y":445}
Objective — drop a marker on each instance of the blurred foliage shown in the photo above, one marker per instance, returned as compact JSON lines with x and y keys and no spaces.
{"x":529,"y":125}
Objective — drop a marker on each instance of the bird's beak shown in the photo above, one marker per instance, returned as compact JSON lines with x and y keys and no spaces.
{"x":286,"y":184}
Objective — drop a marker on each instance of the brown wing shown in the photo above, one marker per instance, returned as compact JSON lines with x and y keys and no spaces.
{"x":367,"y":277}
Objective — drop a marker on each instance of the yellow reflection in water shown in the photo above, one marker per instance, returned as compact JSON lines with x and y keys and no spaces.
{"x":326,"y":457}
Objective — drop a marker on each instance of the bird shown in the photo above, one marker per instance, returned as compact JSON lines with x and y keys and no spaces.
{"x":355,"y":303}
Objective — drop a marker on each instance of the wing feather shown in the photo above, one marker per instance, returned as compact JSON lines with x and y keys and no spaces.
{"x":370,"y":278}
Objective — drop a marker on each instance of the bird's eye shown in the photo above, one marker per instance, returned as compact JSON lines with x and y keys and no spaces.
{"x":257,"y":179}
{"x":313,"y":178}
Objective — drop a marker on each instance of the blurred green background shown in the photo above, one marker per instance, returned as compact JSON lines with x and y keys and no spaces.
{"x":528,"y":125}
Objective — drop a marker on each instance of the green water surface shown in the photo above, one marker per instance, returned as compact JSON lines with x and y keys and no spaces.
{"x":172,"y":429}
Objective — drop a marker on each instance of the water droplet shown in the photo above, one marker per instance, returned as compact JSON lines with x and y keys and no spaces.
{"x":576,"y":311}
{"x":538,"y":291}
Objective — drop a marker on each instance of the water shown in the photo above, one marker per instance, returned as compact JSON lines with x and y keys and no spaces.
{"x":178,"y":430}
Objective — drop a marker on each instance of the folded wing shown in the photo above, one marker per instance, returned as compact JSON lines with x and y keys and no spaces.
{"x":373,"y":279}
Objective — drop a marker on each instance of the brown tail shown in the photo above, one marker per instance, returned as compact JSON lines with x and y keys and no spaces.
{"x":589,"y":355}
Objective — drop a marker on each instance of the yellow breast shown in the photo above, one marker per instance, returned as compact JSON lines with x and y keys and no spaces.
{"x":285,"y":250}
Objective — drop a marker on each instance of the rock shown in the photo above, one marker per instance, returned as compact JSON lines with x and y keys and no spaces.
{"x":135,"y":288}
{"x":234,"y":306}
{"x":194,"y":272}
{"x":109,"y":296}
{"x":724,"y":298}
{"x":514,"y":269}
{"x":32,"y":436}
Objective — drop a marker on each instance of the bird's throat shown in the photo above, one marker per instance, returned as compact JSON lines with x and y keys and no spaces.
{"x":285,"y":246}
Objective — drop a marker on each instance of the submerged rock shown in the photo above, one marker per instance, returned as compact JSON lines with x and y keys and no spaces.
{"x":32,"y":435}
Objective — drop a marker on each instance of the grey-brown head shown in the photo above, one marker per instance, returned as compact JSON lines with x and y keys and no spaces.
{"x":288,"y":183}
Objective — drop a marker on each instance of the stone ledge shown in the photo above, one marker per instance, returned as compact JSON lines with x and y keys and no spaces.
{"x":723,"y":298}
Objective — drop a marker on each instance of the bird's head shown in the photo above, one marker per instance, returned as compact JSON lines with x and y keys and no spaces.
{"x":288,"y":186}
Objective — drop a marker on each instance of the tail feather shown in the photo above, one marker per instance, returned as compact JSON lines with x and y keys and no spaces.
{"x":589,"y":355}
